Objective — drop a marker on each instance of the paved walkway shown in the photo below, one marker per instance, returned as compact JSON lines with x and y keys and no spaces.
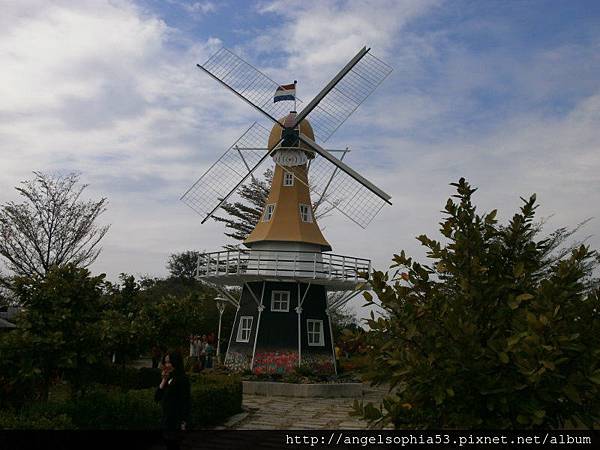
{"x":288,"y":413}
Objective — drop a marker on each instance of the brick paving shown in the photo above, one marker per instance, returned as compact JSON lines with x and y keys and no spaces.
{"x":298,"y":413}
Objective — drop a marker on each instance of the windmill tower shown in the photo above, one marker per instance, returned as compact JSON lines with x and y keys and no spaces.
{"x":290,"y":281}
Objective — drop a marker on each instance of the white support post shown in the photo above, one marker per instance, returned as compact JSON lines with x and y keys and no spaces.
{"x":343,"y":267}
{"x":295,"y":261}
{"x":238,"y":262}
{"x":260,"y":310}
{"x":237,"y":312}
{"x":217,"y":264}
{"x":355,"y":269}
{"x":252,"y":294}
{"x":314,"y":265}
{"x":227,"y":264}
{"x":198,"y":265}
{"x":332,"y":343}
{"x":330,"y":274}
{"x":299,"y":311}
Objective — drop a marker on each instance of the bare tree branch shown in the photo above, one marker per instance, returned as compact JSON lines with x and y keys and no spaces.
{"x":51,"y":227}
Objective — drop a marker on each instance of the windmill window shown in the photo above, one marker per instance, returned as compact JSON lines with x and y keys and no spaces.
{"x":244,"y":329}
{"x":314,"y":329}
{"x":305,"y":213}
{"x":288,"y":179}
{"x":269,"y":210}
{"x":280,"y":301}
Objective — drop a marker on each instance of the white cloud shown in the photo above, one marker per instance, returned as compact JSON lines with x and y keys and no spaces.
{"x":97,"y":88}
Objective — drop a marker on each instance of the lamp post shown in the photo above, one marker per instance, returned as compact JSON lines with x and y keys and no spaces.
{"x":221,"y":303}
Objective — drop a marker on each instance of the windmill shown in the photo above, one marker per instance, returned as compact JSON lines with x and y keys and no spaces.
{"x":290,"y":281}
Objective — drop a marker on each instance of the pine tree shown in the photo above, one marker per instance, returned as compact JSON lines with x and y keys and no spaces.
{"x":243,"y":216}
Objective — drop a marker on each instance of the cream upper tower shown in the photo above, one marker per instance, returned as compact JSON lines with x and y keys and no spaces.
{"x":288,"y":220}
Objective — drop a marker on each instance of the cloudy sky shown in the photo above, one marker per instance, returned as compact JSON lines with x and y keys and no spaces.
{"x":506,"y":94}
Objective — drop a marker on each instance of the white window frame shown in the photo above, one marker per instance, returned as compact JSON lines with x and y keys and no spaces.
{"x":281,"y":302}
{"x":269,"y":211}
{"x":310,"y":332}
{"x":244,"y":329}
{"x":288,"y":178}
{"x":307,"y":215}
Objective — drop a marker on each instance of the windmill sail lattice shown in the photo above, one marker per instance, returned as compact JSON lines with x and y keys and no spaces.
{"x":347,"y":95}
{"x":333,"y":181}
{"x":248,"y":82}
{"x":220,"y":179}
{"x":341,"y":191}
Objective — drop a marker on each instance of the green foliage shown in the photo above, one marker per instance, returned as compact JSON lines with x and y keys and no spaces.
{"x":11,"y":420}
{"x":183,"y":265}
{"x":500,"y":330}
{"x":58,"y":331}
{"x":104,"y":408}
{"x":127,"y":377}
{"x":214,"y":398}
{"x":124,"y":330}
{"x":157,"y":312}
{"x":243,"y":216}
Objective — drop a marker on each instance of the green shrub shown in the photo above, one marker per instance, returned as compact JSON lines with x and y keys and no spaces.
{"x":26,"y":420}
{"x":501,"y":329}
{"x":214,"y":398}
{"x":115,"y":410}
{"x":127,"y":377}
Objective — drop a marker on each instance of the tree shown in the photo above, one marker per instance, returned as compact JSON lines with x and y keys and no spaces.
{"x":59,"y":330}
{"x":500,"y":330}
{"x":245,"y":215}
{"x":53,"y":226}
{"x":183,"y":265}
{"x":125,"y":332}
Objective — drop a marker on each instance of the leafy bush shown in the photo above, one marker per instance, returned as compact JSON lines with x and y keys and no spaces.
{"x":26,"y":420}
{"x":57,"y":331}
{"x":127,"y":377}
{"x":501,"y":330}
{"x":214,"y":398}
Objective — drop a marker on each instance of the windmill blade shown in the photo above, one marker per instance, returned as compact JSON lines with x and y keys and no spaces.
{"x":228,"y":173}
{"x":342,"y":187}
{"x":344,"y":93}
{"x":247,"y":82}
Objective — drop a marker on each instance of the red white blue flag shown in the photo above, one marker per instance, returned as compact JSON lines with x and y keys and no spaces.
{"x":285,"y":92}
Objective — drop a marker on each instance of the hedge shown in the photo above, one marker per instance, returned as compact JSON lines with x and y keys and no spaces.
{"x":127,"y":377}
{"x":214,"y":398}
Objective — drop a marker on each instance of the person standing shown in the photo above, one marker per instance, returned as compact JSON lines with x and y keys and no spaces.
{"x":174,"y":393}
{"x":156,"y":356}
{"x":202,"y":352}
{"x":209,"y":349}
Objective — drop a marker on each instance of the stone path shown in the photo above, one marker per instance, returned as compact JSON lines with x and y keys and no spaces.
{"x":288,"y":413}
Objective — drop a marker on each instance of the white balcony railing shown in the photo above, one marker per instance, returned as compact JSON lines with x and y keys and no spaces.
{"x":279,"y":263}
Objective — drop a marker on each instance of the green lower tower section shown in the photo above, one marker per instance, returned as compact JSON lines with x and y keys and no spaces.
{"x":279,"y":326}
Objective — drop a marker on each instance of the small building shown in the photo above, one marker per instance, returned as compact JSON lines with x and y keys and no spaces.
{"x":6,"y":316}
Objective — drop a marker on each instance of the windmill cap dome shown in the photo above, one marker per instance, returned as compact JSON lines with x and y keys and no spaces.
{"x":288,"y":121}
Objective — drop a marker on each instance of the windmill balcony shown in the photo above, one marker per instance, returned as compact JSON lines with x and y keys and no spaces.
{"x":235,"y":267}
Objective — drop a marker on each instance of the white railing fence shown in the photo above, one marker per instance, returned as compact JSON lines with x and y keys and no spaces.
{"x":282,"y":263}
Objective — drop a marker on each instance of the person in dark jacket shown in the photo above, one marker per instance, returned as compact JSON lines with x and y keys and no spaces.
{"x":174,"y":393}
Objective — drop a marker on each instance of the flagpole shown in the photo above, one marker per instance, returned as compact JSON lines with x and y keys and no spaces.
{"x":295,"y":95}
